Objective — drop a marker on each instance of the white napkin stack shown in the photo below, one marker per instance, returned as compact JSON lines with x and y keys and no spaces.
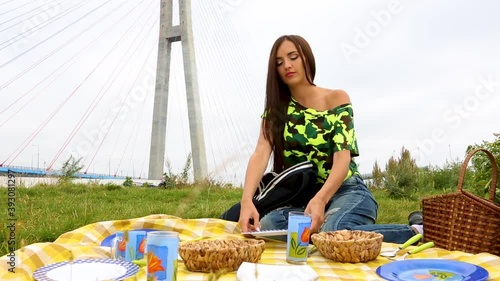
{"x":268,"y":272}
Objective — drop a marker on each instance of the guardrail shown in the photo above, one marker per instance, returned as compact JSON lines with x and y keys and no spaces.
{"x":26,"y":171}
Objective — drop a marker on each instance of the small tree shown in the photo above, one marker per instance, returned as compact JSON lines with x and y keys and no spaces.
{"x":170,"y":179}
{"x":184,"y":176}
{"x":377,"y":176}
{"x":69,"y":170}
{"x":401,"y":175}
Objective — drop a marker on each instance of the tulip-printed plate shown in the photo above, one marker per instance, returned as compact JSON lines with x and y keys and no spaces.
{"x":86,"y":269}
{"x":431,"y":270}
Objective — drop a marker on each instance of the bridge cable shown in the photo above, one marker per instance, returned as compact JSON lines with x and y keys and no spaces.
{"x":27,"y":12}
{"x":52,"y":53}
{"x":101,"y":93}
{"x":35,"y":28}
{"x":116,"y":115}
{"x":40,"y":128}
{"x":239,"y":77}
{"x":136,"y":135}
{"x":25,"y":4}
{"x":40,"y":25}
{"x":119,"y":110}
{"x":51,"y":36}
{"x":1,"y":4}
{"x":210,"y":102}
{"x":114,"y":119}
{"x":115,"y":146}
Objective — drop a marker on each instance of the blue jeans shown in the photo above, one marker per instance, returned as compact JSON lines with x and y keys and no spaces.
{"x":352,"y":205}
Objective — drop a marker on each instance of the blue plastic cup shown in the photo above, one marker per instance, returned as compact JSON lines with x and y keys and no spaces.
{"x":118,"y":246}
{"x":129,"y":247}
{"x":162,"y":251}
{"x":299,"y":230}
{"x":136,"y":245}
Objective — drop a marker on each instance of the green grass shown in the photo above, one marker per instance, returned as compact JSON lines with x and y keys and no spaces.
{"x":45,"y":212}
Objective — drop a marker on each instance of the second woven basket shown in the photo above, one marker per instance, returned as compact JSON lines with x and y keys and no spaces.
{"x":220,"y":255}
{"x":348,"y":245}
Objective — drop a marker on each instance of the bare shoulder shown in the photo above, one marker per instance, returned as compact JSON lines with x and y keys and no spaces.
{"x":336,"y":97}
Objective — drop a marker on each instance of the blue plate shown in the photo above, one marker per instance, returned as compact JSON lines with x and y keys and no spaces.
{"x":88,"y":269}
{"x":108,"y":240}
{"x":431,"y":270}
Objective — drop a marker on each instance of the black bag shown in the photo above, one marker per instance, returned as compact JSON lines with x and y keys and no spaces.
{"x":294,"y":186}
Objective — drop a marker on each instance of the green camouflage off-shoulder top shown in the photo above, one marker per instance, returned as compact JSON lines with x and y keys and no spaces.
{"x":315,"y":135}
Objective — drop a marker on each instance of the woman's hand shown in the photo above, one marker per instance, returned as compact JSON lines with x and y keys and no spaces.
{"x":316,"y":207}
{"x":249,"y":217}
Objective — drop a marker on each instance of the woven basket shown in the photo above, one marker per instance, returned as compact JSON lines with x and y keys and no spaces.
{"x":348,"y":245}
{"x":219,"y":255}
{"x":463,"y":221}
{"x":252,"y":250}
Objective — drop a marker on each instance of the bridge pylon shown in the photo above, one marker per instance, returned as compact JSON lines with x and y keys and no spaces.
{"x":169,"y":34}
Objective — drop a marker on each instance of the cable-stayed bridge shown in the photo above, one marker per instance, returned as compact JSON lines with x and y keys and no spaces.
{"x":77,"y":78}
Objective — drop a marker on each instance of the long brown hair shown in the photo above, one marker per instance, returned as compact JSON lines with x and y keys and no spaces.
{"x":278,"y":96}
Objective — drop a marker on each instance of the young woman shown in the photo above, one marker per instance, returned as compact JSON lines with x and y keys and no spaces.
{"x":304,"y":122}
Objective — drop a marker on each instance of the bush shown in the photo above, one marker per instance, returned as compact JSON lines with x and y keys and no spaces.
{"x":480,"y":177}
{"x":447,"y":176}
{"x":128,"y":182}
{"x":401,"y":177}
{"x":111,"y":187}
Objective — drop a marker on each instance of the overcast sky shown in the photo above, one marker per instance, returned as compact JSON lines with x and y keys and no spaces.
{"x":78,"y":77}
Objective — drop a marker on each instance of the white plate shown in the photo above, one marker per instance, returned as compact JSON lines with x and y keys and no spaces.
{"x":86,"y":270}
{"x":265,"y":233}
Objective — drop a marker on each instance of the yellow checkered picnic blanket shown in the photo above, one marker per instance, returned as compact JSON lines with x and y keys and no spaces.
{"x":85,"y":242}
